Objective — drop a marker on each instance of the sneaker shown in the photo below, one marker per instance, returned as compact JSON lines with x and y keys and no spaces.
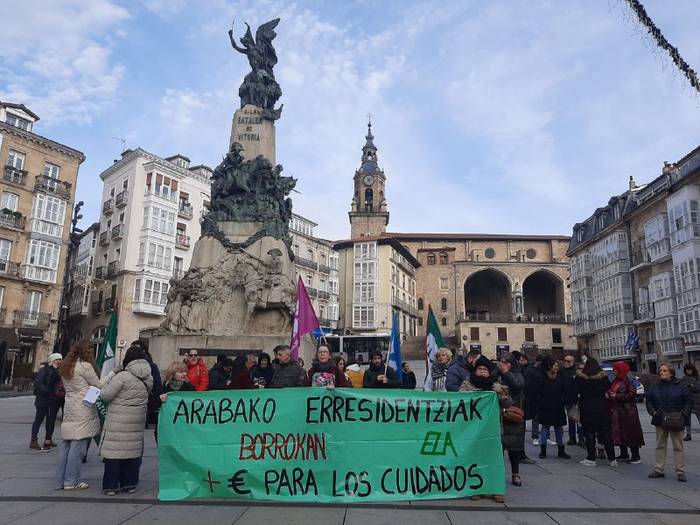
{"x":588,"y":463}
{"x":614,"y":463}
{"x":550,"y":442}
{"x":635,"y":461}
{"x":682,"y":478}
{"x":536,"y":442}
{"x":657,"y":474}
{"x":687,"y":438}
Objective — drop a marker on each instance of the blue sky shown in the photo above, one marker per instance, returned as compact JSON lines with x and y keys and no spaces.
{"x":506,"y":116}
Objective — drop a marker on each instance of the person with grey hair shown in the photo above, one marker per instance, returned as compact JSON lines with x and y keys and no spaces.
{"x":288,"y":372}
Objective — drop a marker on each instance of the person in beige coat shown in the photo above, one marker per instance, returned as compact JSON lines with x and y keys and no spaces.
{"x":121,"y":444}
{"x":80,"y":423}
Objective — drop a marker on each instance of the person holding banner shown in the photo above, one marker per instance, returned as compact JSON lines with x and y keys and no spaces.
{"x":262,"y":374}
{"x":379,"y":375}
{"x":355,"y":373}
{"x":340,"y":365}
{"x":438,"y":371}
{"x":288,"y":372}
{"x":197,"y":372}
{"x":323,"y":371}
{"x":80,"y":421}
{"x":121,"y":443}
{"x":175,"y":381}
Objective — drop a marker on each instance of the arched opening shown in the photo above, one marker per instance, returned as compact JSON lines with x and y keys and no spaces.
{"x":487,"y":296}
{"x":543,"y":294}
{"x":369,"y":198}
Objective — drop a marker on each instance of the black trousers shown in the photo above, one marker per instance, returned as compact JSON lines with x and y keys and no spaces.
{"x":121,"y":473}
{"x":602,"y":432}
{"x":49,"y":412}
{"x":514,"y":458}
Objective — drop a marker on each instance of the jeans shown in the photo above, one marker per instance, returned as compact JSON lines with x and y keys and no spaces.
{"x":678,"y":451}
{"x":70,"y":455}
{"x":535,"y":428}
{"x":558,"y":433}
{"x":603,"y":433}
{"x":121,"y":473}
{"x":574,"y":429}
{"x":690,"y":420}
{"x":49,"y":412}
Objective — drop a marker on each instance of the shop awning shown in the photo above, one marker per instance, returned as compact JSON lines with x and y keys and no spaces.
{"x":8,"y":336}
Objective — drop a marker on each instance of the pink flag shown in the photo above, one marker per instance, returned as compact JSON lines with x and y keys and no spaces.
{"x":305,"y":319}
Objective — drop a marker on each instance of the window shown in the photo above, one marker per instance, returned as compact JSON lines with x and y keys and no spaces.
{"x":364,"y":292}
{"x":556,"y":336}
{"x":51,"y":170}
{"x":9,"y":201}
{"x":17,"y":121}
{"x":530,"y":335}
{"x":502,"y":333}
{"x":531,"y":253}
{"x":154,"y":292}
{"x":32,"y":302}
{"x":420,"y":303}
{"x":164,"y":187}
{"x":444,"y":285}
{"x":474,"y":333}
{"x":365,"y":250}
{"x":431,"y":259}
{"x":420,"y":321}
{"x":42,"y":260}
{"x":363,"y":316}
{"x":309,"y":279}
{"x":444,"y":321}
{"x":161,"y":220}
{"x":137,"y":290}
{"x":490,"y":253}
{"x":443,"y":304}
{"x":365,"y":270}
{"x":49,"y":215}
{"x":443,"y":258}
{"x":2,"y":296}
{"x":310,"y":254}
{"x":97,"y":336}
{"x":15,"y":159}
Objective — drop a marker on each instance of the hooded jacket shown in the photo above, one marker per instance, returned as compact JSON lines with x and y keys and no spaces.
{"x":625,"y":428}
{"x":458,"y":373}
{"x":126,"y":395}
{"x":356,"y":375}
{"x":198,"y":375}
{"x":590,"y":393}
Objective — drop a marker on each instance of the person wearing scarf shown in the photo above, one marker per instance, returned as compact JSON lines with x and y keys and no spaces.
{"x":438,"y":371}
{"x":626,"y":430}
{"x":323,"y":371}
{"x":262,"y":374}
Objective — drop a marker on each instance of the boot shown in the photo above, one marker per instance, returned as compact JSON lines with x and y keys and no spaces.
{"x":543,"y":451}
{"x":34,"y":445}
{"x":562,"y":453}
{"x":687,"y":437}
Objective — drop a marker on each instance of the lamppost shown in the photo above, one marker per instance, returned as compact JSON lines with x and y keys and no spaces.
{"x":61,"y":344}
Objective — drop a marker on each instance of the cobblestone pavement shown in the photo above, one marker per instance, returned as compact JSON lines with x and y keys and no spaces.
{"x":554,"y":491}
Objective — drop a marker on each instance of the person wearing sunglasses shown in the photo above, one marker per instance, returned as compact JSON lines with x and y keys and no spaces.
{"x":197,"y":373}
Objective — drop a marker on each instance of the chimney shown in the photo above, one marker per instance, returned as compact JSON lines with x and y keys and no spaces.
{"x":632,"y":183}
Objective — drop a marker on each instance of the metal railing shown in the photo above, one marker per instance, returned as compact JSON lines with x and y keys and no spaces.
{"x":118,"y":231}
{"x":322,"y":294}
{"x":104,"y":238}
{"x":640,"y":257}
{"x":122,"y":199}
{"x":31,"y":319}
{"x":504,"y":317}
{"x":323,"y":268}
{"x":403,"y":264}
{"x":182,"y":241}
{"x":100,"y":272}
{"x":107,"y":207}
{"x":112,"y":269}
{"x":50,"y":185}
{"x":305,"y":263}
{"x":96,"y":307}
{"x":186,"y":211}
{"x":313,"y":292}
{"x":9,"y":268}
{"x":14,"y":175}
{"x":12,"y":220}
{"x":109,"y":304}
{"x":403,"y":305}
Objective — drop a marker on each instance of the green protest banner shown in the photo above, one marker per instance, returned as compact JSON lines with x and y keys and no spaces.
{"x":343,"y":445}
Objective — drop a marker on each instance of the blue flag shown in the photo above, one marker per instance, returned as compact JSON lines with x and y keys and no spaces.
{"x":394,"y":357}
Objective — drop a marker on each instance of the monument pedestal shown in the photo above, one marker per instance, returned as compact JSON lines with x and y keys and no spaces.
{"x":254,"y":132}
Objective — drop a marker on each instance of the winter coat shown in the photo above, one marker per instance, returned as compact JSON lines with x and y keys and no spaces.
{"x":693,"y":386}
{"x":262,"y":376}
{"x":457,"y":374}
{"x":218,"y":378}
{"x":669,"y":396}
{"x":371,"y":374}
{"x":79,"y":420}
{"x":288,"y":375}
{"x":625,"y":428}
{"x":512,"y":434}
{"x":568,"y":375}
{"x":154,"y":399}
{"x":45,"y":386}
{"x":552,"y":397}
{"x":317,"y":377}
{"x":590,"y":392}
{"x":241,"y":380}
{"x":408,"y":381}
{"x":126,"y":395}
{"x":356,"y":375}
{"x":534,"y":377}
{"x":198,"y":375}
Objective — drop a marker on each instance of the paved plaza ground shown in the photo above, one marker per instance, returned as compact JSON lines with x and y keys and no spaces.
{"x":554,"y":491}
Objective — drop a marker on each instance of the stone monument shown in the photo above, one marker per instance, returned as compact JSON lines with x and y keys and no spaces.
{"x":239,"y":292}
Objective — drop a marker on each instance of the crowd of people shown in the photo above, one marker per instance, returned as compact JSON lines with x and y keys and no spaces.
{"x":600,"y":414}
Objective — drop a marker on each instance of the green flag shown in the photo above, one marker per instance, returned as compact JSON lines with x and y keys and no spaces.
{"x":105,"y":355}
{"x":106,"y":362}
{"x":433,"y":342}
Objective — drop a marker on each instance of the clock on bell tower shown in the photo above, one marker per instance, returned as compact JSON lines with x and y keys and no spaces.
{"x":368,"y":211}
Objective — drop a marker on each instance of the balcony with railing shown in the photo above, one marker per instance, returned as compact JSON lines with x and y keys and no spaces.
{"x":505,"y":317}
{"x":404,"y":306}
{"x":118,"y":232}
{"x":122,"y":199}
{"x":108,"y":207}
{"x":112,"y":269}
{"x":313,"y":292}
{"x":12,"y":219}
{"x":56,"y":187}
{"x":9,"y":269}
{"x":109,"y":303}
{"x":185,"y":210}
{"x":38,"y":273}
{"x":182,"y":241}
{"x":97,"y":307}
{"x":305,"y":263}
{"x":644,"y":313}
{"x":100,"y":272}
{"x":323,"y":268}
{"x":640,"y":258}
{"x":14,"y":176}
{"x":104,"y":238}
{"x":24,"y":318}
{"x":322,"y":294}
{"x":403,"y":264}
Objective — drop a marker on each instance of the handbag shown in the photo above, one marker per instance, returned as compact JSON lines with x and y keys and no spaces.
{"x":513,"y":414}
{"x":575,"y":413}
{"x":673,"y":422}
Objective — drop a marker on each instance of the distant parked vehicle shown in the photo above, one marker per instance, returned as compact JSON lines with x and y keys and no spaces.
{"x":635,"y":381}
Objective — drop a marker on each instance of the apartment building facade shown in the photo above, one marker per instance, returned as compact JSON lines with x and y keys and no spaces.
{"x":316,"y":263}
{"x":635,"y":278}
{"x":150,"y":220}
{"x":37,"y":194}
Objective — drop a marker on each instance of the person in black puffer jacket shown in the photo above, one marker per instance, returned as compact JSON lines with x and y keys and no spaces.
{"x":46,"y":387}
{"x":378,"y":375}
{"x":551,"y":412}
{"x":668,"y":397}
{"x":220,"y":374}
{"x":510,"y":375}
{"x":590,"y":388}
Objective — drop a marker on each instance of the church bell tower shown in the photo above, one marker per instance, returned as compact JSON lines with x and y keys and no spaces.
{"x":368,"y":211}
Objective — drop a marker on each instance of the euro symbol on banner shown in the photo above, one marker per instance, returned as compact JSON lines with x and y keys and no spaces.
{"x":434,"y":446}
{"x":235,"y":482}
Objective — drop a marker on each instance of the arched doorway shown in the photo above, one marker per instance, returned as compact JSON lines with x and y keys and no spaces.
{"x":543,"y":294}
{"x":487,"y":296}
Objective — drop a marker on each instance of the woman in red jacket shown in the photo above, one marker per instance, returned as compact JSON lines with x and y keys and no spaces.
{"x":197,"y":373}
{"x":624,"y":418}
